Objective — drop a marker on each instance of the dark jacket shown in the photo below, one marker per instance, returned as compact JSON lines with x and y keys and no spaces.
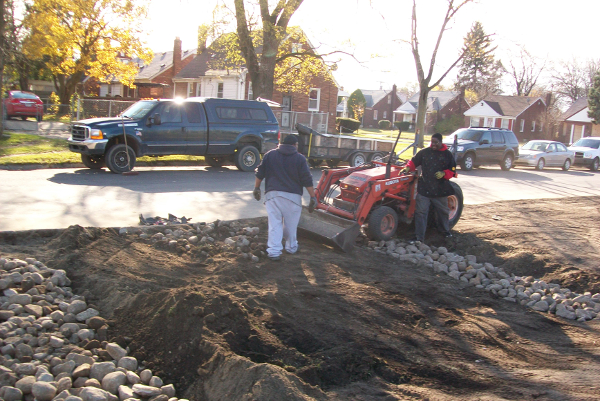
{"x":432,"y":161}
{"x":284,"y":169}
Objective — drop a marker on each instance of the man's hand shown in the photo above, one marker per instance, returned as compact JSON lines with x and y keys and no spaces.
{"x":312,"y":204}
{"x":405,"y":170}
{"x":439,"y":175}
{"x":256,"y":193}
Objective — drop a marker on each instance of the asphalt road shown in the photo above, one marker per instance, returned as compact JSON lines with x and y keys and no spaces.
{"x":58,"y":198}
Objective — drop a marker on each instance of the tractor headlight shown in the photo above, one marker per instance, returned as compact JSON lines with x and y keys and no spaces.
{"x":95,"y":134}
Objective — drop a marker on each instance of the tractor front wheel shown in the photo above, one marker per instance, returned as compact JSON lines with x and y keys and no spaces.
{"x":382,"y":224}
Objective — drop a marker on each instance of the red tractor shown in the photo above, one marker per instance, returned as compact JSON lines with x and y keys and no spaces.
{"x":375,"y":194}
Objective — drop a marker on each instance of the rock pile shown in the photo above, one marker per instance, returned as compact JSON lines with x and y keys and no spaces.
{"x":53,"y":345}
{"x":528,"y":291}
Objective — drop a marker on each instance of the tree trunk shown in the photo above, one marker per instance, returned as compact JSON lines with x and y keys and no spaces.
{"x":421,"y":113}
{"x":2,"y":56}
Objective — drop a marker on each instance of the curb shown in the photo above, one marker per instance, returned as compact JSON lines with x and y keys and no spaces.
{"x":27,"y":167}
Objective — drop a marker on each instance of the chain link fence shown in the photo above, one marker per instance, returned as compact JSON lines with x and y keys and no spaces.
{"x":87,"y":108}
{"x":289,"y":119}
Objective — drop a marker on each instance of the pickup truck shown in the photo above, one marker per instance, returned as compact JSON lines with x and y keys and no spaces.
{"x":221,"y":130}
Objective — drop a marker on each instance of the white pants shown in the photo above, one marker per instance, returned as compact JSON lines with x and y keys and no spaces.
{"x":284,"y":216}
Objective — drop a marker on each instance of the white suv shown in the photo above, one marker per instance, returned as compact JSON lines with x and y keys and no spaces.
{"x":587,"y":152}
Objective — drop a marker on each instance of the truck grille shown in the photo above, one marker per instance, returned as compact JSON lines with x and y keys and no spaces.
{"x":579,"y":155}
{"x":79,"y":132}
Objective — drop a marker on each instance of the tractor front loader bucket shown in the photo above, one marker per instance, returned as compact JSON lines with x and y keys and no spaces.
{"x":329,"y":228}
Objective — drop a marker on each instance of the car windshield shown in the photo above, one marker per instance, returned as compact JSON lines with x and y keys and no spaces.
{"x":539,"y":146}
{"x":469,"y":135}
{"x":24,"y":95}
{"x":588,"y":143}
{"x":139,"y":109}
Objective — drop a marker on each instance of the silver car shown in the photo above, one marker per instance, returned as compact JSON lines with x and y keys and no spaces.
{"x":542,"y":153}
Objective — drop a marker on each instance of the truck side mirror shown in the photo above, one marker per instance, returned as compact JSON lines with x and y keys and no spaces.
{"x":154,"y":120}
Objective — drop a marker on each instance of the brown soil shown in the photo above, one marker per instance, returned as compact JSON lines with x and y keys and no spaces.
{"x":326,"y":325}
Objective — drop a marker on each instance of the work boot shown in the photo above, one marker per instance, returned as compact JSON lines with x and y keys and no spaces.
{"x":274,"y":258}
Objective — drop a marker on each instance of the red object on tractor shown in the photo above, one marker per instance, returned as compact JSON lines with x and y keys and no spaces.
{"x":376,"y":194}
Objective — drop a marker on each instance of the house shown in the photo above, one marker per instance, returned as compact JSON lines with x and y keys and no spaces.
{"x":575,"y":123}
{"x":380,"y":105}
{"x":154,"y":80}
{"x":523,"y":115}
{"x":440,"y":106}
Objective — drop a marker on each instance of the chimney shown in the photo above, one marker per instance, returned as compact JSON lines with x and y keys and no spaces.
{"x":176,"y":56}
{"x":394,"y":107}
{"x":548,"y":99}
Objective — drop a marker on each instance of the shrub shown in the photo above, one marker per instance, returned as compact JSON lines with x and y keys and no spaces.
{"x":449,"y":125}
{"x":384,"y":124}
{"x":54,"y":101}
{"x":403,"y":126}
{"x":346,"y":125}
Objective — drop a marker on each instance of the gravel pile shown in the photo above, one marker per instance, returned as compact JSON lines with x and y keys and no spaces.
{"x":531,"y":292}
{"x":53,"y":345}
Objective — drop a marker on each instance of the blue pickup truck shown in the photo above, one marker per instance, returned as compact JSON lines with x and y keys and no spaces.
{"x":221,"y":130}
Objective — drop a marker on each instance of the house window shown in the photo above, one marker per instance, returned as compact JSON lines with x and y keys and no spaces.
{"x":533,"y":126}
{"x":374,"y":114}
{"x":220,"y":90}
{"x":474,"y":121}
{"x":389,"y":100}
{"x":505,"y":123}
{"x":407,"y":117}
{"x":314,"y":99}
{"x":190,"y":89}
{"x":541,"y":126}
{"x":490,"y":122}
{"x":384,"y":114}
{"x":522,"y":125}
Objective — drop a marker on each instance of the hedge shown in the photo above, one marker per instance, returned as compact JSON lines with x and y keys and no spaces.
{"x":384,"y":124}
{"x":346,"y":125}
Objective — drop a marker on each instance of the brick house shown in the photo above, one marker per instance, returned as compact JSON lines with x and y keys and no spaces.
{"x":380,"y":105}
{"x":523,"y":115}
{"x":154,"y":80}
{"x":440,"y":106}
{"x":575,"y":123}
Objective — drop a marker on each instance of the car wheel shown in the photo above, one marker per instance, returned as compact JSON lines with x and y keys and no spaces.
{"x":507,"y":162}
{"x":93,"y":162}
{"x":247,"y":159}
{"x":540,"y":164}
{"x":215,"y":161}
{"x":378,"y":157}
{"x":332,"y":163}
{"x":116,"y":159}
{"x":595,"y":164}
{"x":567,"y":165}
{"x":383,"y":223}
{"x":357,"y":159}
{"x":314,"y":162}
{"x":468,"y":162}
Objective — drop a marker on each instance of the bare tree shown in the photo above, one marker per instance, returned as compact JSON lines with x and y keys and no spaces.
{"x":425,"y":81}
{"x":525,"y":71}
{"x":573,"y":79}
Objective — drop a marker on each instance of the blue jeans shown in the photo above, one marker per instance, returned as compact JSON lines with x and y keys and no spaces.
{"x":440,"y":205}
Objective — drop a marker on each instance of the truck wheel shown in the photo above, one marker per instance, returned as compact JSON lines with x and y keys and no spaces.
{"x":116,"y":159}
{"x":247,"y":159}
{"x":357,"y":159}
{"x":455,"y":203}
{"x":333,"y":163}
{"x":378,"y":157}
{"x":314,"y":162}
{"x":383,"y":223}
{"x":215,"y":161}
{"x":93,"y":162}
{"x":595,"y":164}
{"x":468,"y":162}
{"x":507,"y":163}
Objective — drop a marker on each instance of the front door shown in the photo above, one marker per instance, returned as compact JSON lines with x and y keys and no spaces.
{"x":484,"y":150}
{"x":168,"y":137}
{"x":286,"y":111}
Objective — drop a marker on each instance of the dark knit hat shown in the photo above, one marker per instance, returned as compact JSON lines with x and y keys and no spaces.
{"x":437,"y":136}
{"x":290,"y":140}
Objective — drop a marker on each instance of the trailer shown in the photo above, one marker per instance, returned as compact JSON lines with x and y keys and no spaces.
{"x":334,"y":149}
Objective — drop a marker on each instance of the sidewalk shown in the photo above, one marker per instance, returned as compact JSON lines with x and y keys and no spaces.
{"x":47,"y":129}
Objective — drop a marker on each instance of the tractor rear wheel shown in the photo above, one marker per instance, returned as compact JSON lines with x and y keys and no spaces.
{"x":383,"y":223}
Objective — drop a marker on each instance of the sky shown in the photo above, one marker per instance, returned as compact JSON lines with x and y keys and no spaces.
{"x":375,"y":33}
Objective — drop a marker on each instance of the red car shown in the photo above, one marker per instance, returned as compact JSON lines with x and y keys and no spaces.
{"x":22,"y":104}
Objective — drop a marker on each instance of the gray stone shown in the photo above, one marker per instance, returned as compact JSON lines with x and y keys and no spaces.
{"x":63,"y":384}
{"x":93,"y":394}
{"x":73,"y":398}
{"x":87,"y":314}
{"x":86,"y":334}
{"x":155,"y":381}
{"x":146,"y":375}
{"x":562,"y":311}
{"x":112,"y":381}
{"x":25,"y":369}
{"x":22,"y":350}
{"x":126,"y":392}
{"x":56,"y":342}
{"x":80,"y":359}
{"x":45,"y":377}
{"x":68,"y":367}
{"x":133,"y":378}
{"x":25,"y":384}
{"x":146,"y":391}
{"x":76,"y":307}
{"x":6,"y":314}
{"x":35,"y":310}
{"x":161,"y":397}
{"x":128,"y":363}
{"x":101,"y":369}
{"x":20,"y":299}
{"x":82,"y":370}
{"x":12,"y":394}
{"x":43,"y":391}
{"x":168,"y":390}
{"x":115,"y":351}
{"x":541,"y":306}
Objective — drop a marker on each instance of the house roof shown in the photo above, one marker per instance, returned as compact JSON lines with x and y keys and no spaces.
{"x":372,"y":97}
{"x":197,"y":67}
{"x":510,"y":106}
{"x":575,"y":108}
{"x":160,"y":62}
{"x":436,"y":101}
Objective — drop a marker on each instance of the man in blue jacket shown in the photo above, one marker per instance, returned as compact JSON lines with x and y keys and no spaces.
{"x":286,"y":174}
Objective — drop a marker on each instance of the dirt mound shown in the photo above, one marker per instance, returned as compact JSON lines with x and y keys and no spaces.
{"x":326,"y":325}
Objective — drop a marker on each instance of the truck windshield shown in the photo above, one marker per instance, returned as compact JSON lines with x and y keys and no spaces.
{"x":139,"y":109}
{"x":469,"y":135}
{"x":588,"y":143}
